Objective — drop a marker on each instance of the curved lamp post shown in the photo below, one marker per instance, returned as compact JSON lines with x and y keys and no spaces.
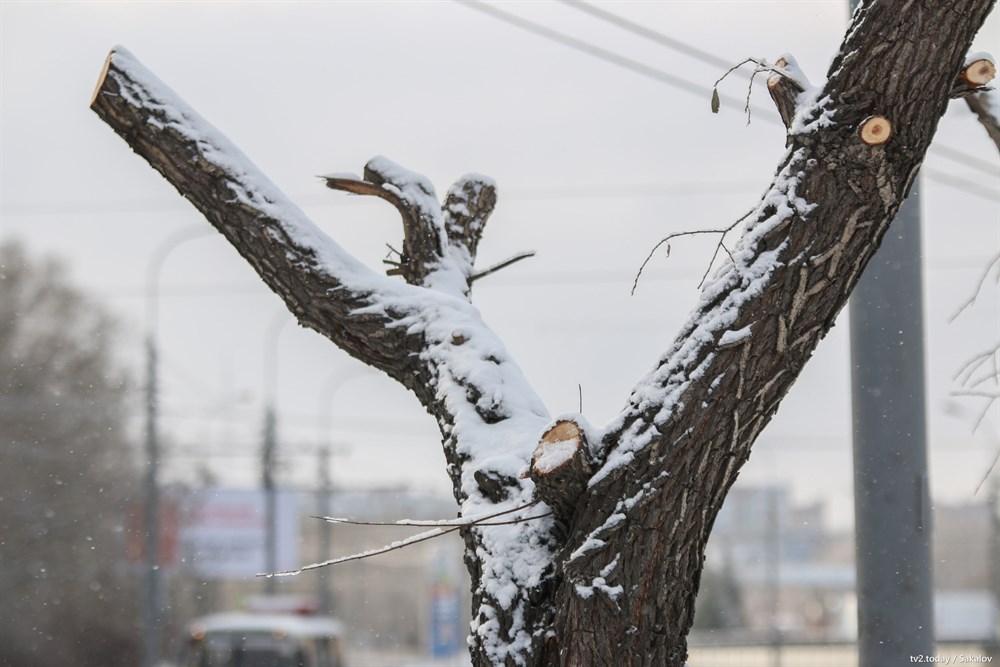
{"x":152,"y":597}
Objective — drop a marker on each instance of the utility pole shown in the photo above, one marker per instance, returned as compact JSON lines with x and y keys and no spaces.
{"x":151,"y":603}
{"x":269,"y":448}
{"x":270,"y":500}
{"x":774,"y":506}
{"x":892,"y":506}
{"x":325,"y":541}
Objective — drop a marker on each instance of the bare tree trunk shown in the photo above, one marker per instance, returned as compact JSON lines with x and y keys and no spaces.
{"x":610,"y":576}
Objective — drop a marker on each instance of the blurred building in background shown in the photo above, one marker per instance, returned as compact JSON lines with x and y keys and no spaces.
{"x":787,"y":579}
{"x":408,"y":602}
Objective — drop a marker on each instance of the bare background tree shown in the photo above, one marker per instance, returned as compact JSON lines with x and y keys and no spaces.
{"x":612,"y":576}
{"x":66,"y":474}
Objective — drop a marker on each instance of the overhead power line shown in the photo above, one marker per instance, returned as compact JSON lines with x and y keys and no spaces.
{"x":712,"y":59}
{"x":700,"y":91}
{"x":955,"y":155}
{"x":660,"y":38}
{"x":652,"y":35}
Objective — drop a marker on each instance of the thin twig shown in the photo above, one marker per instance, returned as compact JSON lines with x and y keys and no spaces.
{"x":761,"y":67}
{"x":460,"y":521}
{"x":502,"y":265}
{"x":446,"y":523}
{"x":414,"y":539}
{"x":420,"y":537}
{"x":666,"y":239}
{"x":979,"y":287}
{"x":993,"y":465}
{"x":973,"y":364}
{"x":979,"y":394}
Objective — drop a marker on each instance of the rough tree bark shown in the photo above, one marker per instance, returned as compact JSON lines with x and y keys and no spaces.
{"x":610,"y":578}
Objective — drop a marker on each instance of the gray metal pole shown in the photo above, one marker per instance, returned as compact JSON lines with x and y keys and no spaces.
{"x":892,"y":506}
{"x":151,"y":603}
{"x":325,"y":540}
{"x":270,"y":500}
{"x":270,"y":445}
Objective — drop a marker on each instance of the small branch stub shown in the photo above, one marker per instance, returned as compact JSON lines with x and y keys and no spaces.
{"x":784,"y":89}
{"x":560,"y":467}
{"x":979,"y":73}
{"x":875,"y":130}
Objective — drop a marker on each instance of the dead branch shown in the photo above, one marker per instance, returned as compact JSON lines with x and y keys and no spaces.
{"x":760,"y":67}
{"x":666,"y":240}
{"x":971,"y":301}
{"x":501,"y":265}
{"x":400,"y":544}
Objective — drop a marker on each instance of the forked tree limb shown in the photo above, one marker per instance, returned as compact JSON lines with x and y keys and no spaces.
{"x":614,"y":581}
{"x":433,"y":343}
{"x":670,"y":457}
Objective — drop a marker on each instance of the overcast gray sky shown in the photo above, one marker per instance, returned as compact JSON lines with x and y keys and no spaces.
{"x":595,"y":163}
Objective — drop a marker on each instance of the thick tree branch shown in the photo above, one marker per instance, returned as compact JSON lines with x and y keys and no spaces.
{"x":324,"y":287}
{"x":670,"y":457}
{"x":432,"y":342}
{"x":612,"y":579}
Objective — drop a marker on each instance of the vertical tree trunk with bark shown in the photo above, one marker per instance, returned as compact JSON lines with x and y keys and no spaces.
{"x":605,"y":567}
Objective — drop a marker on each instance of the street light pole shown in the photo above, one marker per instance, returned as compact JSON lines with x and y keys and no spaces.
{"x":270,"y":446}
{"x":336,"y":381}
{"x":152,"y":598}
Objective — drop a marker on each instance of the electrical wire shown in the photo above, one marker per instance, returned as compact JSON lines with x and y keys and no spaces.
{"x":591,"y":49}
{"x":946,"y":152}
{"x":689,"y":87}
{"x":650,"y":34}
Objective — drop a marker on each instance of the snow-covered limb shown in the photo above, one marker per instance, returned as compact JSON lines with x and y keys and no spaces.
{"x":439,"y":242}
{"x":689,"y":425}
{"x":426,"y":334}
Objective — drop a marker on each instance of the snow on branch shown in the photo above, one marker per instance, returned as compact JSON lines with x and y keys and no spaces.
{"x":427,"y":335}
{"x":324,"y":286}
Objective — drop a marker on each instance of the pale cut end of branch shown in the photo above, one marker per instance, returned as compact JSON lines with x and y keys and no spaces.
{"x":875,"y":130}
{"x":356,"y":186}
{"x":100,"y":80}
{"x":560,"y":467}
{"x":979,"y":73}
{"x":784,"y":91}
